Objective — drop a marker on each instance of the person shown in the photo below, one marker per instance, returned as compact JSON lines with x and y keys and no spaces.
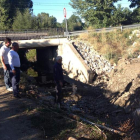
{"x":4,"y":59}
{"x":14,"y":62}
{"x":58,"y":78}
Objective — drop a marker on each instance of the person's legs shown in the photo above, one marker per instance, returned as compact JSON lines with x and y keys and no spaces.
{"x":15,"y":82}
{"x":59,"y":94}
{"x":7,"y":78}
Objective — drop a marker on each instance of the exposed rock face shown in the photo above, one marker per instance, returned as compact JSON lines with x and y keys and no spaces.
{"x":94,"y":61}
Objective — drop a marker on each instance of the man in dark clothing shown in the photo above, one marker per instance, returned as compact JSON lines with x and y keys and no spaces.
{"x":58,"y":78}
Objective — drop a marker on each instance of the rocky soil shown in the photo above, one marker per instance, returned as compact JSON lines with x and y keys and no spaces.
{"x":93,"y":59}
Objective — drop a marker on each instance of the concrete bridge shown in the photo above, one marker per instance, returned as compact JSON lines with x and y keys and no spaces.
{"x":47,"y":50}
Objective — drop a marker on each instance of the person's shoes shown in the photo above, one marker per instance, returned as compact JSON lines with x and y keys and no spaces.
{"x":17,"y":96}
{"x":10,"y":89}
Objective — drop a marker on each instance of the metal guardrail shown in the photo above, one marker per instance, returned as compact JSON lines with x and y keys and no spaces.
{"x":110,"y":29}
{"x":56,"y":32}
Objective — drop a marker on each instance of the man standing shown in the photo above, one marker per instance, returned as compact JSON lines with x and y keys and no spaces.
{"x":4,"y":59}
{"x":14,"y":62}
{"x":58,"y":77}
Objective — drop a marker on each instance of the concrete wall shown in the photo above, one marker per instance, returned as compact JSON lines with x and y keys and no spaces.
{"x":74,"y":65}
{"x":41,"y":43}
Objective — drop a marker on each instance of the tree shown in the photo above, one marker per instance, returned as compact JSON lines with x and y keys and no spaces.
{"x":128,"y":16}
{"x":96,"y":12}
{"x":136,"y":15}
{"x":46,"y":21}
{"x":74,"y":23}
{"x":23,"y":21}
{"x":9,"y":8}
{"x":121,"y":16}
{"x":134,"y":3}
{"x":4,"y":16}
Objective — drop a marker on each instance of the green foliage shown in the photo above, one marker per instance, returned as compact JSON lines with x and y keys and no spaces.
{"x":8,"y":11}
{"x":103,"y":13}
{"x":96,"y":12}
{"x":134,"y":3}
{"x":23,"y":21}
{"x":17,"y":14}
{"x":4,"y":18}
{"x":32,"y":73}
{"x":31,"y":55}
{"x":121,"y":16}
{"x":74,"y":23}
{"x":45,"y":21}
{"x":136,"y":15}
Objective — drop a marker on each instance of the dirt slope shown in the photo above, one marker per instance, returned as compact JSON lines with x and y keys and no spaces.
{"x":124,"y":84}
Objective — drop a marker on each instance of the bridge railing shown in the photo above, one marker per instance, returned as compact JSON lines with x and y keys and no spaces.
{"x":56,"y":32}
{"x":110,"y":29}
{"x":31,"y":34}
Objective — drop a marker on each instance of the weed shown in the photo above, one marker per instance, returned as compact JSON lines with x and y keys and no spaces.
{"x":31,"y":55}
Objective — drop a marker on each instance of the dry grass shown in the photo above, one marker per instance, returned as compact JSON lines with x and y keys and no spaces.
{"x":113,"y":45}
{"x":127,"y":126}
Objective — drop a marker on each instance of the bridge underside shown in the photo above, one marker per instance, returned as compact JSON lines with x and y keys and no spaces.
{"x":46,"y":59}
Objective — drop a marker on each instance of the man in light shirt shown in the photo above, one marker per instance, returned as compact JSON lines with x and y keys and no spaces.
{"x":4,"y":59}
{"x":14,"y":62}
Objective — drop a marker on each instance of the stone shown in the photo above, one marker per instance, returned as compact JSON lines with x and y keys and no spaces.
{"x":49,"y":99}
{"x":75,"y":109}
{"x":71,"y":138}
{"x":136,"y":116}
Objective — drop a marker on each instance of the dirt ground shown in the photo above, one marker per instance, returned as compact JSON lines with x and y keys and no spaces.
{"x":111,"y":103}
{"x":15,"y":123}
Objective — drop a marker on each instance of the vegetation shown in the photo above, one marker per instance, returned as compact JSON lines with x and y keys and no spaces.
{"x":18,"y":15}
{"x":57,"y":126}
{"x":74,"y":23}
{"x":103,"y":13}
{"x":113,"y":45}
{"x":9,"y":9}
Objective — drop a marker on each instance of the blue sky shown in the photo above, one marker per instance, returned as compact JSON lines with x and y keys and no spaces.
{"x":55,"y":7}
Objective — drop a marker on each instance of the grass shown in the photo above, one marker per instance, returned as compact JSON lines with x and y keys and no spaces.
{"x":31,"y":55}
{"x":113,"y":45}
{"x":31,"y":72}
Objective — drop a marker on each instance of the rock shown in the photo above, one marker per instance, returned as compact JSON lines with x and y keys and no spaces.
{"x":71,"y":138}
{"x":76,"y":110}
{"x":136,"y":116}
{"x":93,"y":60}
{"x":49,"y":99}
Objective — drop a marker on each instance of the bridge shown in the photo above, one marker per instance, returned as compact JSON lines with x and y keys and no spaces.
{"x":48,"y":49}
{"x":32,"y":34}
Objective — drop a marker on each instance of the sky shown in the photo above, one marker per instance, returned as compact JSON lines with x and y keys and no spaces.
{"x":55,"y":7}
